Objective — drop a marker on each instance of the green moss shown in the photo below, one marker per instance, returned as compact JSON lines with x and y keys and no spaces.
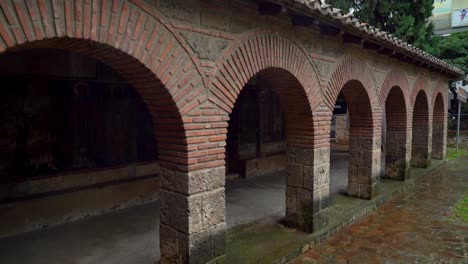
{"x":262,"y":243}
{"x":453,"y":154}
{"x":461,"y":210}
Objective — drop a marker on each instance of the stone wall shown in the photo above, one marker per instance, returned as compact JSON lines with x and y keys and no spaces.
{"x":46,"y":202}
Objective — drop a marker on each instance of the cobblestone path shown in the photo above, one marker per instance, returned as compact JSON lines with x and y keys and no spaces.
{"x":414,"y":227}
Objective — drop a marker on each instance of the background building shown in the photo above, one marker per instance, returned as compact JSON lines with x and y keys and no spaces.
{"x":450,"y":16}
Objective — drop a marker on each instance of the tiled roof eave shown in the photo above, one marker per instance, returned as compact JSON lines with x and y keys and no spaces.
{"x":349,"y":24}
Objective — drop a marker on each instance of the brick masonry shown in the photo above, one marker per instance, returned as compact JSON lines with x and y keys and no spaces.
{"x":189,"y":61}
{"x":395,"y":97}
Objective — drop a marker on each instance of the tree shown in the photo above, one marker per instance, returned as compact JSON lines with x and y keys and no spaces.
{"x":405,"y":19}
{"x":453,"y":49}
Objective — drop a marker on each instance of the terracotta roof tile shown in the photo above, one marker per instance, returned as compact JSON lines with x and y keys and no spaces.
{"x":348,"y":21}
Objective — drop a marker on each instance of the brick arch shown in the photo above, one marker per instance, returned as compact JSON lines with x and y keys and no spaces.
{"x":396,"y":92}
{"x":421,"y":84}
{"x":420,"y":150}
{"x":353,"y":78}
{"x":282,"y":64}
{"x":350,"y":68}
{"x":395,"y":133}
{"x":439,"y":123}
{"x":395,"y":78}
{"x":442,"y":90}
{"x":126,"y":36}
{"x":134,"y":21}
{"x":255,"y":52}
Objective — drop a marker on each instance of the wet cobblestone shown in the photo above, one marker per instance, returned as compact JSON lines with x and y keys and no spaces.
{"x":414,"y":227}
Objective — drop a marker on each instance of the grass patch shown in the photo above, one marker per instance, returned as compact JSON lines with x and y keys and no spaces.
{"x":453,"y":154}
{"x":461,"y":210}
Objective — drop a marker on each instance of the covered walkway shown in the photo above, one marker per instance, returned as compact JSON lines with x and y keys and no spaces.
{"x":254,"y":209}
{"x":187,"y":69}
{"x":131,"y":235}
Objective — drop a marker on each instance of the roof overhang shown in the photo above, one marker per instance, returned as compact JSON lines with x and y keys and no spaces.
{"x":333,"y":21}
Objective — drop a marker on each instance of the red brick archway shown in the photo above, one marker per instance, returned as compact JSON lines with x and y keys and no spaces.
{"x":439,"y":127}
{"x":347,"y":69}
{"x":130,"y":37}
{"x":164,"y":111}
{"x":397,"y":141}
{"x":292,"y":76}
{"x":420,"y":84}
{"x":396,"y":78}
{"x":395,"y":98}
{"x":256,"y":52}
{"x":420,"y":143}
{"x":441,"y":90}
{"x":353,"y":78}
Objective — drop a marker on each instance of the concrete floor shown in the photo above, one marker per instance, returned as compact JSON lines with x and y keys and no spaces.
{"x":131,"y":235}
{"x":125,"y":236}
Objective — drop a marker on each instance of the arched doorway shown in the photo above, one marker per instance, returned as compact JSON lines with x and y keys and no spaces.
{"x":439,"y":128}
{"x":126,"y":101}
{"x":396,"y":154}
{"x":271,"y":128}
{"x":352,"y":163}
{"x":420,"y":144}
{"x":134,"y":39}
{"x":75,"y":134}
{"x":292,"y":79}
{"x":256,"y":156}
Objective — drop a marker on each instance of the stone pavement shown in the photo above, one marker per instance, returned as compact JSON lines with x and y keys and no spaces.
{"x":414,"y":227}
{"x":270,"y":242}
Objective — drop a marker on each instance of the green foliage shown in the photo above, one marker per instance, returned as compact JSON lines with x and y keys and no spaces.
{"x":453,"y":154}
{"x":453,"y":49}
{"x":407,"y":20}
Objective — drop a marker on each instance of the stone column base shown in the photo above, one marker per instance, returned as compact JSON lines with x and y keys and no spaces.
{"x":307,"y":222}
{"x":438,"y":156}
{"x":420,"y":162}
{"x":363,"y":191}
{"x":398,"y":171}
{"x":207,"y":246}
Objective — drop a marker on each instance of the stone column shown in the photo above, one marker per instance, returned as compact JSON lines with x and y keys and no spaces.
{"x":341,"y":129}
{"x":439,"y":131}
{"x":421,"y":125}
{"x":420,"y":147}
{"x":444,"y":136}
{"x":438,"y":142}
{"x":260,"y":117}
{"x":429,"y":139}
{"x":364,"y":165}
{"x":307,"y":187}
{"x":397,"y":154}
{"x":193,"y":225}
